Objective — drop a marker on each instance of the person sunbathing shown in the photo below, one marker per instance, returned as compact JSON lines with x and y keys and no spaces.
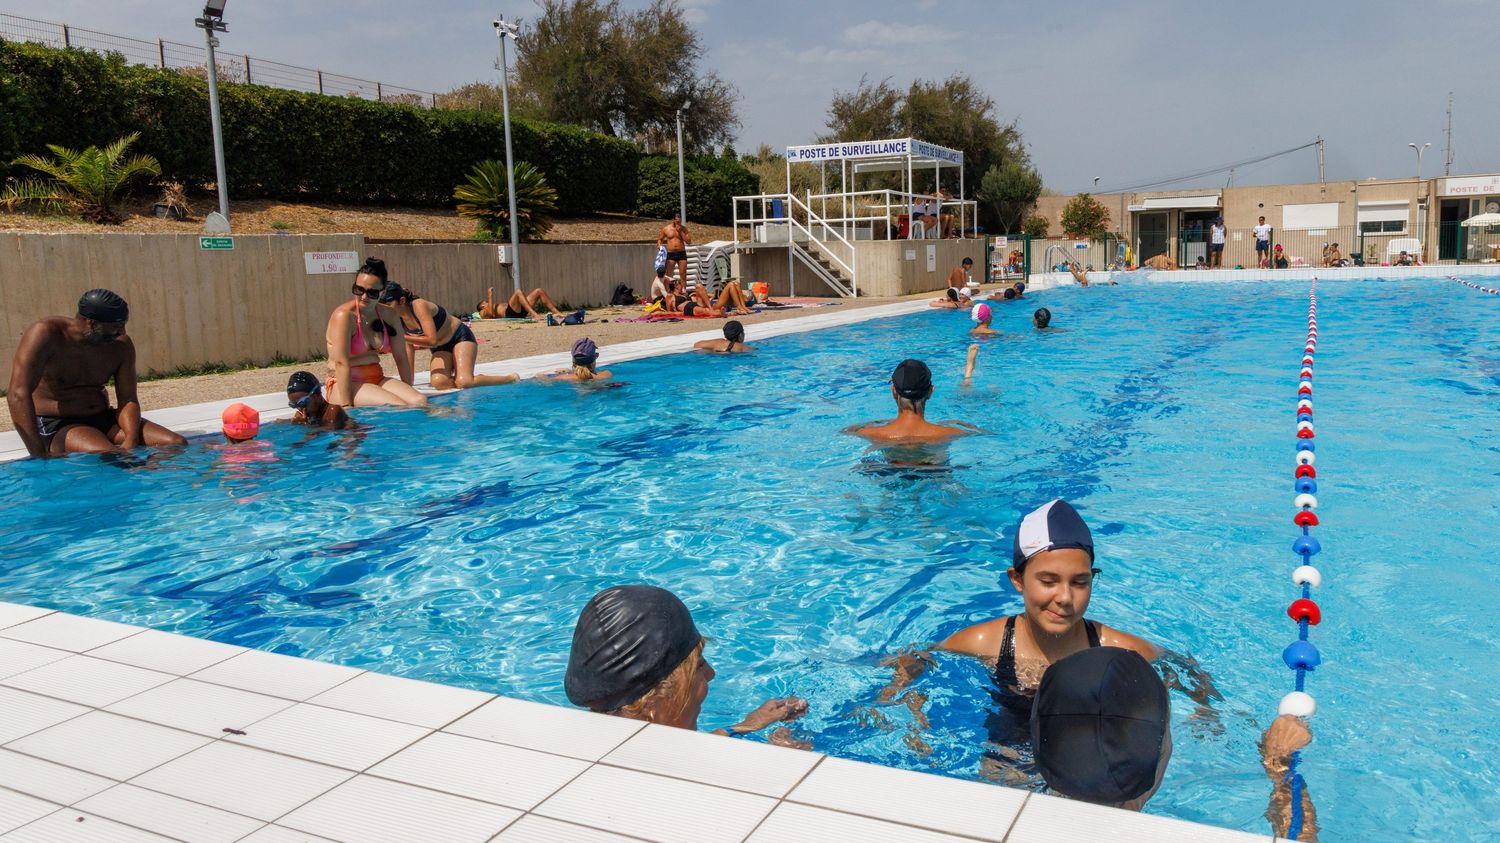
{"x":517,"y":306}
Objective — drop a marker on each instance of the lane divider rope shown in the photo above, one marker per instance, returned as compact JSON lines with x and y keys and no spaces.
{"x":1301,"y":655}
{"x":1490,"y":290}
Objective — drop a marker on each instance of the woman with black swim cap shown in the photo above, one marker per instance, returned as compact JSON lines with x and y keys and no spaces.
{"x":451,"y":341}
{"x":637,"y":654}
{"x":733,"y":342}
{"x":358,"y":333}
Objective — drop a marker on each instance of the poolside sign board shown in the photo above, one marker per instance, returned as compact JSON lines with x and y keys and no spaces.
{"x":889,"y":148}
{"x":216,"y":244}
{"x":1469,"y":186}
{"x":330,"y":263}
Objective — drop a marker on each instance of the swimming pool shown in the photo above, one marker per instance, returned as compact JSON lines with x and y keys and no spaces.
{"x":459,"y":548}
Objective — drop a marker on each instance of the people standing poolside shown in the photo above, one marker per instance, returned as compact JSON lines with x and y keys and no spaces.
{"x":674,"y":237}
{"x":1216,"y":244}
{"x":637,"y":654}
{"x":305,"y":395}
{"x":1262,"y":244}
{"x":57,"y":385}
{"x":358,"y":333}
{"x":451,"y":341}
{"x":911,"y":386}
{"x":733,"y":342}
{"x":585,"y":365}
{"x":959,"y":277}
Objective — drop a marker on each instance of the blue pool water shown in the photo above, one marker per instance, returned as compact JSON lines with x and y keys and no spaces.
{"x":459,"y":547}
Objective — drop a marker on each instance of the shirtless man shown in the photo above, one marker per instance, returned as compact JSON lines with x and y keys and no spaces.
{"x":56,"y":395}
{"x":959,"y":277}
{"x":911,"y":386}
{"x":674,"y":235}
{"x":1160,"y":263}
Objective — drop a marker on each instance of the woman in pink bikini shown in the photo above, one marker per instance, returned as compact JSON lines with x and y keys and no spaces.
{"x":358,"y":334}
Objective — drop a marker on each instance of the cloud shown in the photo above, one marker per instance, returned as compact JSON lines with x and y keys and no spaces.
{"x":835,"y":55}
{"x":879,"y":34}
{"x":696,"y":11}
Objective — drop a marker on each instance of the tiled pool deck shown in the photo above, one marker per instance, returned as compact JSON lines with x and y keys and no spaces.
{"x":115,"y":733}
{"x":118,"y":734}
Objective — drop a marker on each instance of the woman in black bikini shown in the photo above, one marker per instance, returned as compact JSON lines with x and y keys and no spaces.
{"x":451,"y":341}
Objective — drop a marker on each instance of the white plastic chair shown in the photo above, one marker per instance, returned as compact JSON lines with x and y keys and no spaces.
{"x":1410,"y":245}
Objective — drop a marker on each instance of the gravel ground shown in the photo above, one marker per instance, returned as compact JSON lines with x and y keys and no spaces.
{"x":498,"y":340}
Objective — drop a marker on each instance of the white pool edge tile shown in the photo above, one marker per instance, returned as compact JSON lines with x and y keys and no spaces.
{"x":649,"y":770}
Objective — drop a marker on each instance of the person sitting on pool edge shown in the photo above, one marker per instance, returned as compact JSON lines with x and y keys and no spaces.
{"x":305,"y":395}
{"x":911,"y":386}
{"x":637,"y":654}
{"x":1279,"y":261}
{"x":733,"y":342}
{"x":450,"y":340}
{"x":57,"y":386}
{"x":358,"y":333}
{"x":1100,"y":728}
{"x":517,"y":306}
{"x":585,"y":359}
{"x":982,"y":315}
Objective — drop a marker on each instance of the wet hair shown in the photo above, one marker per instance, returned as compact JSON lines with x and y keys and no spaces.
{"x":968,"y":261}
{"x":734,"y":332}
{"x":375,"y":267}
{"x":670,"y":694}
{"x":1042,"y":318}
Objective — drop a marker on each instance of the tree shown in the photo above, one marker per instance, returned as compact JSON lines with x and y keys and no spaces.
{"x":1085,"y":217}
{"x":593,"y":64}
{"x":483,"y":197}
{"x":1010,"y":189}
{"x":1036,"y":225}
{"x":953,"y":113}
{"x":88,"y":181}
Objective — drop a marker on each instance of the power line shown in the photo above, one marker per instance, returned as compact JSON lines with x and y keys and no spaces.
{"x":1198,"y":174}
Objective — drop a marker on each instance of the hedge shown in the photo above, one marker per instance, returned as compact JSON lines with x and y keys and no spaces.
{"x":711,"y":182}
{"x":290,"y":145}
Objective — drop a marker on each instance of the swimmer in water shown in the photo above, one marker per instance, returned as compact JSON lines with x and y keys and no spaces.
{"x":305,"y":395}
{"x":953,"y":298}
{"x":981,"y":315}
{"x":585,"y":363}
{"x":911,"y":386}
{"x":637,"y":654}
{"x":1042,"y":319}
{"x":240,"y":423}
{"x":733,"y":342}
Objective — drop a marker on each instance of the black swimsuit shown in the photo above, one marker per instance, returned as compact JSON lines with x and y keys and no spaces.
{"x":463,"y":333}
{"x":1010,"y":694}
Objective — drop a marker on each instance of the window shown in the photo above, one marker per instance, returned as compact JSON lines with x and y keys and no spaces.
{"x":1383,"y":217}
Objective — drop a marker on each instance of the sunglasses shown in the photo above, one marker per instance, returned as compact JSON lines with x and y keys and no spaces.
{"x":365,"y":291}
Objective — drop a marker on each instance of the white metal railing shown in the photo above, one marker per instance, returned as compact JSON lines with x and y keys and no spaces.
{"x":885,"y":214}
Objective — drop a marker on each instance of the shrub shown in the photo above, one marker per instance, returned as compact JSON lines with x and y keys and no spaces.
{"x":712,"y":183}
{"x":86,"y":181}
{"x":484,"y":198}
{"x":1036,"y":226}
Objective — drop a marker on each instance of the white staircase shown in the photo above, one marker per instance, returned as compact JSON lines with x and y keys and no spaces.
{"x":818,"y":245}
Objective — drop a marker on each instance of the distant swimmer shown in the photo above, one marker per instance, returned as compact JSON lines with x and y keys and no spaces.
{"x":981,"y":315}
{"x":1042,"y":319}
{"x":953,"y":298}
{"x":57,"y":386}
{"x":733,"y":342}
{"x":1160,"y":263}
{"x":911,"y":386}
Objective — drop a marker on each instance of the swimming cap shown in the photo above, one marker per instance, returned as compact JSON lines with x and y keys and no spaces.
{"x":628,"y":639}
{"x":1020,"y":285}
{"x":1010,"y":293}
{"x":980,"y":313}
{"x":241,"y":421}
{"x":1053,"y":525}
{"x":585,"y":352}
{"x":734,"y":331}
{"x":1278,"y":247}
{"x":301,"y":382}
{"x":102,"y":305}
{"x":912,"y":379}
{"x":1098,"y":725}
{"x":952,"y":294}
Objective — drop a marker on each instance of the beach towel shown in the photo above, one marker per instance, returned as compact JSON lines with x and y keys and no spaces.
{"x":661,"y":259}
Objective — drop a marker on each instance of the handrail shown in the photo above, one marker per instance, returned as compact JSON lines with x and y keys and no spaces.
{"x":793,"y":224}
{"x":791,"y":218}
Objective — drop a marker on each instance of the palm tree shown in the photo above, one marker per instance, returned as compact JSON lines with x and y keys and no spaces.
{"x":484,"y":198}
{"x":88,"y":180}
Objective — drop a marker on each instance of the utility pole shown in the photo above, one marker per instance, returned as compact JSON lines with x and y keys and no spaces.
{"x":1448,"y":145}
{"x":1320,"y":160}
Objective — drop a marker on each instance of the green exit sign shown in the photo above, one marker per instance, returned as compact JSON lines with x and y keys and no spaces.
{"x":212,"y":244}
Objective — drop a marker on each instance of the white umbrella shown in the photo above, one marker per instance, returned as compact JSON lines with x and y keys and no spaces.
{"x":1483,"y":219}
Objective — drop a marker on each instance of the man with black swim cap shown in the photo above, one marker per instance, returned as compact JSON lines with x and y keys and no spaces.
{"x":911,"y":386}
{"x":637,"y":654}
{"x":57,"y":392}
{"x":733,"y":342}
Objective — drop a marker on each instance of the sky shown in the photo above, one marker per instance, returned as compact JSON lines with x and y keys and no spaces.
{"x":1126,"y":92}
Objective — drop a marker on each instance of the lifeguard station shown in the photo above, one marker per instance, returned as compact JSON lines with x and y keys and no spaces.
{"x":882,"y":242}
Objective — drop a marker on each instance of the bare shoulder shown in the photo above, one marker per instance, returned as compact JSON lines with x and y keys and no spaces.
{"x":981,"y":639}
{"x":1111,"y":637}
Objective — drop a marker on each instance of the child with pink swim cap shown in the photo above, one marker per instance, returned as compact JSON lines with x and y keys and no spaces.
{"x":981,"y":314}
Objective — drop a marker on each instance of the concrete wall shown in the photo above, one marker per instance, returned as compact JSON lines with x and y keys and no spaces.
{"x":883,"y":268}
{"x":190,"y":307}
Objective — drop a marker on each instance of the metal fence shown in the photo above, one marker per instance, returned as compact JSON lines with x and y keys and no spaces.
{"x":233,"y":67}
{"x":1299,"y":247}
{"x":1465,"y":243}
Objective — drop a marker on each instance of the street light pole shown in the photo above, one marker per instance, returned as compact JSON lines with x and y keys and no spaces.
{"x":681,"y":178}
{"x":503,"y":29}
{"x":213,"y":21}
{"x":1420,"y":150}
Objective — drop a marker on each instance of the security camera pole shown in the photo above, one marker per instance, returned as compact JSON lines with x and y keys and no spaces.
{"x":211,"y":22}
{"x":503,"y":29}
{"x":681,"y":181}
